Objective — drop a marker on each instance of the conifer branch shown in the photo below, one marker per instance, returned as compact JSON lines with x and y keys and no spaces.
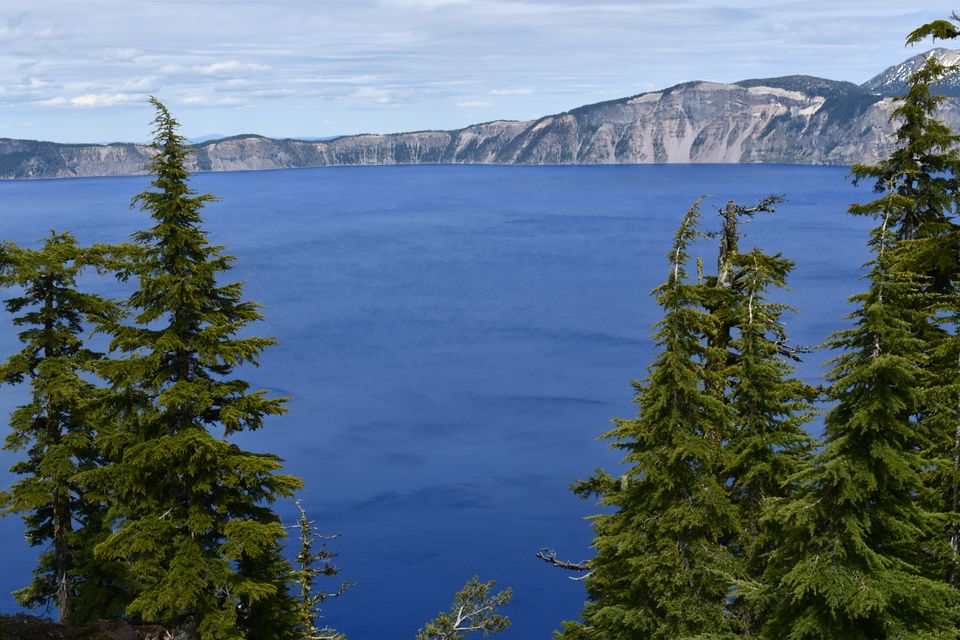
{"x":550,"y":557}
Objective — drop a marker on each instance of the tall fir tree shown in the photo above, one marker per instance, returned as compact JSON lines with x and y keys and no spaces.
{"x":754,"y":377}
{"x":919,"y":187}
{"x":769,"y":444}
{"x":191,"y":511}
{"x":57,"y":427}
{"x":662,"y":568}
{"x":719,"y":434}
{"x":851,"y":557}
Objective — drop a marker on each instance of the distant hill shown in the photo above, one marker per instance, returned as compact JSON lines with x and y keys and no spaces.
{"x":893,"y":81}
{"x":789,"y":119}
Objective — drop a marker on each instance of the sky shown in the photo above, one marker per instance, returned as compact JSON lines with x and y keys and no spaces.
{"x":82,"y":70}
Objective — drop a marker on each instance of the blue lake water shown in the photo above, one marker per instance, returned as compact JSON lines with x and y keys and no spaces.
{"x":454,"y":339}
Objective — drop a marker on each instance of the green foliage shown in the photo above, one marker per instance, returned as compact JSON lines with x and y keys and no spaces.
{"x":474,"y":608}
{"x":940,"y":422}
{"x":662,"y":568}
{"x":864,"y":552}
{"x":275,"y":617}
{"x":769,"y":445}
{"x":923,"y":179}
{"x":191,"y":512}
{"x":851,"y":559}
{"x":57,"y":426}
{"x":685,"y":553}
{"x":938,"y":30}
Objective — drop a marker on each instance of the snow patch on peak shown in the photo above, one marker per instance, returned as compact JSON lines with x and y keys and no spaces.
{"x":944,"y":56}
{"x":893,"y":80}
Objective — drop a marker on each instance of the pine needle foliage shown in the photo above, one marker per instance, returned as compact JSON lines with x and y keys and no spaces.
{"x":57,"y":427}
{"x":940,"y":424}
{"x":936,"y":252}
{"x":851,"y":561}
{"x":769,"y":445}
{"x":662,"y":568}
{"x":275,"y":617}
{"x":920,"y":194}
{"x":191,"y":510}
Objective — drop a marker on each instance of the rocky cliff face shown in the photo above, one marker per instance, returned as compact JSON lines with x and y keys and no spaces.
{"x":793,"y":119}
{"x":772,"y":120}
{"x":32,"y":159}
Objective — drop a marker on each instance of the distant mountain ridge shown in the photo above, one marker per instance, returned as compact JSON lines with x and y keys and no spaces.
{"x":791,"y":119}
{"x":893,"y":81}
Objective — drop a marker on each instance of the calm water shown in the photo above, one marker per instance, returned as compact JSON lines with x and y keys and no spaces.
{"x":454,"y":339}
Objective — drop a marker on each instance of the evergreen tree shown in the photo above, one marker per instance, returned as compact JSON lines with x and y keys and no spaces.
{"x":719,"y":434}
{"x":191,"y":511}
{"x":753,"y":376}
{"x":850,"y":563}
{"x":662,"y":568}
{"x":920,"y":195}
{"x":722,"y":292}
{"x":57,"y":427}
{"x":769,"y":445}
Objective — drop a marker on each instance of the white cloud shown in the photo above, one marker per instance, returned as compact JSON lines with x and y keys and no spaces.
{"x":422,"y":4}
{"x":523,"y":91}
{"x":473,"y":104}
{"x":366,"y":78}
{"x":24,"y":27}
{"x":232,"y":68}
{"x":203,"y":101}
{"x":35,"y":84}
{"x":145,"y":83}
{"x":227,"y":69}
{"x":52,"y":102}
{"x":105,"y":99}
{"x":372,"y":94}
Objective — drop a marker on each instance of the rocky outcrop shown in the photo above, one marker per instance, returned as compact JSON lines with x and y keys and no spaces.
{"x":32,"y":159}
{"x":754,"y":121}
{"x":793,"y":119}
